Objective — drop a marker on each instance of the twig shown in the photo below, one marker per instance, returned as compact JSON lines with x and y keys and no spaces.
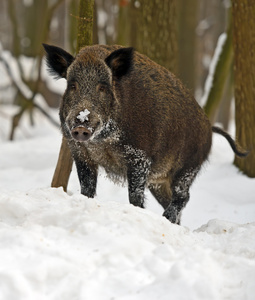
{"x":46,"y":114}
{"x":17,"y":117}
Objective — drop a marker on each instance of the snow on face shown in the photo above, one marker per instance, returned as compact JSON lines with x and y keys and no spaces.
{"x":83,"y":115}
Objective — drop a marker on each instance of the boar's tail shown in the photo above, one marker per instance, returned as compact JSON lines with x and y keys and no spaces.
{"x":236,"y":148}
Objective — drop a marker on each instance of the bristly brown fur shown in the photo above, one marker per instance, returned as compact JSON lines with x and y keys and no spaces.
{"x":143,"y":124}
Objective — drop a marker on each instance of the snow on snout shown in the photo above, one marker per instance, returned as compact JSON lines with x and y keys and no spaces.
{"x":83,"y":115}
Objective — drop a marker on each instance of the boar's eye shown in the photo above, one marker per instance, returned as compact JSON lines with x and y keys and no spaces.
{"x":102,"y":87}
{"x":72,"y":85}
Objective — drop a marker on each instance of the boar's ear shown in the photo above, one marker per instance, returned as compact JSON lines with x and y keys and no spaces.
{"x":120,"y":61}
{"x":58,"y":60}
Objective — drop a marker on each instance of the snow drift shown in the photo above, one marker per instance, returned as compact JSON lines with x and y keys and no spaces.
{"x":55,"y":245}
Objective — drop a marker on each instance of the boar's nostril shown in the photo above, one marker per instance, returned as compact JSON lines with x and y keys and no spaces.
{"x":81,"y":133}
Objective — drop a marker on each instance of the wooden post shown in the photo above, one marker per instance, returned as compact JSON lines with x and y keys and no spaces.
{"x":84,"y":38}
{"x":63,"y":168}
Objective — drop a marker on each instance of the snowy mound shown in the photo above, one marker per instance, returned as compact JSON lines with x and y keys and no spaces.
{"x":55,"y":246}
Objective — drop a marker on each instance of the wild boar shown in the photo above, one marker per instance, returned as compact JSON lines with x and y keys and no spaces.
{"x":133,"y":117}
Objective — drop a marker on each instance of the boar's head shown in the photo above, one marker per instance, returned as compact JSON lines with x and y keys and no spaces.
{"x":89,"y":102}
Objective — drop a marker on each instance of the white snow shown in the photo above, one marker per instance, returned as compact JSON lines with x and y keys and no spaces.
{"x":83,"y":115}
{"x":56,"y":245}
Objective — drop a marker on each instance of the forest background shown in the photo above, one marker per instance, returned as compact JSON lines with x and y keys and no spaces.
{"x":57,"y":245}
{"x":184,"y":36}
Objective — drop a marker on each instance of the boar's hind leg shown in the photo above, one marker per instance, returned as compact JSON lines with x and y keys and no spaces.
{"x":180,"y":194}
{"x":162,"y":192}
{"x":87,"y":177}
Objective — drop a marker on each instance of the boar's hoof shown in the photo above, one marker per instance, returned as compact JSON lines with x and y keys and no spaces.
{"x":81,"y":133}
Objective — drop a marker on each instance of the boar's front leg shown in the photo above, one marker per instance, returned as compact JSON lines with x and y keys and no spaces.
{"x":87,"y":174}
{"x":137,"y":172}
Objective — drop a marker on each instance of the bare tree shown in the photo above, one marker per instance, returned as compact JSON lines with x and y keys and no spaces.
{"x":187,"y":41}
{"x":154,"y":31}
{"x":25,"y":39}
{"x":151,"y":28}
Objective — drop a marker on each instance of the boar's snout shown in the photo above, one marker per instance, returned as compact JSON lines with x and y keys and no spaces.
{"x":81,"y":133}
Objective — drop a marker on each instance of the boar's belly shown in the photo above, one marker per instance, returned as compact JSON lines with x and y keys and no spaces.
{"x":111,"y":160}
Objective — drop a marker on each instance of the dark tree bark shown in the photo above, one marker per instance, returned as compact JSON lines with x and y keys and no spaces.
{"x":244,"y":73}
{"x":154,"y":30}
{"x":85,"y":24}
{"x":187,"y":23}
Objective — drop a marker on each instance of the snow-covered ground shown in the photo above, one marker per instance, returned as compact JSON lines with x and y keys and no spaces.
{"x":55,"y":245}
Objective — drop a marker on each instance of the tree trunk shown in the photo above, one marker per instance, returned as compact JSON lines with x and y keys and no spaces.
{"x":244,"y":72}
{"x":84,"y":38}
{"x":224,"y":112}
{"x":154,"y":31}
{"x":124,"y":24}
{"x":187,"y":23}
{"x":85,"y":24}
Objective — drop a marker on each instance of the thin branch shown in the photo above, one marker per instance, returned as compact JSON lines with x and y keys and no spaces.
{"x":44,"y":112}
{"x":31,"y":99}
